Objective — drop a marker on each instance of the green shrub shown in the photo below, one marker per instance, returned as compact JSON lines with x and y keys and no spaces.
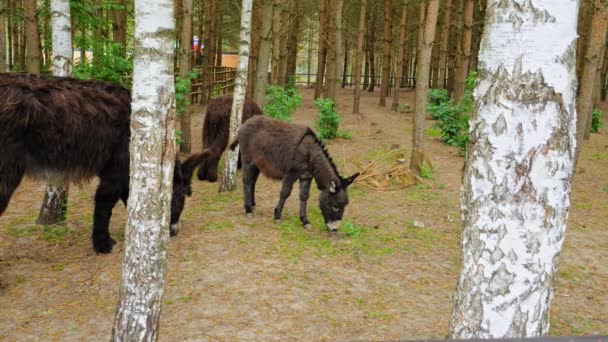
{"x":111,"y":66}
{"x":328,"y":121}
{"x":453,"y":119}
{"x":596,"y":120}
{"x":282,"y":102}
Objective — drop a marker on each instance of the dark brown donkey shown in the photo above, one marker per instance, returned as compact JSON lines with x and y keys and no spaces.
{"x":291,"y":152}
{"x":215,"y":132}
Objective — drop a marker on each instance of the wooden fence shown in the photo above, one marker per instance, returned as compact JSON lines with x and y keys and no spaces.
{"x":211,"y":82}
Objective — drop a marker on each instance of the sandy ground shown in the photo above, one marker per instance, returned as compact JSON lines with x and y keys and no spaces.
{"x":232,"y":278}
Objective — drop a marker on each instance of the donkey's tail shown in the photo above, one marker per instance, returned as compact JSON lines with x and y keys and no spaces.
{"x":234,"y":144}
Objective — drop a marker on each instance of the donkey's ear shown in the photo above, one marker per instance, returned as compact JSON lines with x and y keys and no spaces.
{"x":348,"y":181}
{"x":333,"y":187}
{"x":192,"y":162}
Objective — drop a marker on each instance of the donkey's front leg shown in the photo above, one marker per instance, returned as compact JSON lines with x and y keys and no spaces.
{"x":288,"y":181}
{"x":304,"y":192}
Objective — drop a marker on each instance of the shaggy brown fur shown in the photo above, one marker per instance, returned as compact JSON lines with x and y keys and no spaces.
{"x":75,"y":130}
{"x":216,"y":130}
{"x":291,"y":152}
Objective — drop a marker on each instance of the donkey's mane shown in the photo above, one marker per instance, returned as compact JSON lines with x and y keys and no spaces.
{"x":324,"y":149}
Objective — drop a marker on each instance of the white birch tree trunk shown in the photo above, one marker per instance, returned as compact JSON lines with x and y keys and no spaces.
{"x":151,"y":173}
{"x":228,"y":182}
{"x":518,"y":172}
{"x":54,"y":204}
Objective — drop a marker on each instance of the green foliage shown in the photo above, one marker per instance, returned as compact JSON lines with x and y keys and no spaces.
{"x":282,"y":102}
{"x":345,"y":135}
{"x":182,"y":90}
{"x":111,"y":66}
{"x":426,"y":171}
{"x":596,"y":120}
{"x":328,"y":121}
{"x":453,"y":119}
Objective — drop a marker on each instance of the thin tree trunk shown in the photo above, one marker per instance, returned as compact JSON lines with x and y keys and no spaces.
{"x":3,"y":59}
{"x":435,"y":56}
{"x":185,"y":122}
{"x":345,"y":65}
{"x":209,"y":51}
{"x":285,"y":23}
{"x":151,"y":174}
{"x":32,"y":35}
{"x":593,"y":62}
{"x":309,"y":57}
{"x":386,"y":51}
{"x":518,"y":171}
{"x":261,"y":77}
{"x":445,"y":35}
{"x":359,"y":54}
{"x":584,"y":25}
{"x":339,"y":52}
{"x":479,"y":15}
{"x":292,"y":45}
{"x":98,"y":48}
{"x":119,"y":26}
{"x":422,"y":86}
{"x":256,"y":22}
{"x":228,"y":182}
{"x":372,"y":71}
{"x":276,"y":42}
{"x":322,"y":51}
{"x":54,"y":204}
{"x":332,"y":56}
{"x":219,"y":29}
{"x":399,"y":69}
{"x":463,"y":58}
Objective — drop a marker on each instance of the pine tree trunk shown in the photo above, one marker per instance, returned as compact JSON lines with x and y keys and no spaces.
{"x":185,"y":122}
{"x":98,"y":48}
{"x":228,"y":182}
{"x":261,"y":77}
{"x":285,"y":23}
{"x":209,"y":50}
{"x":339,"y":53}
{"x":359,"y":55}
{"x":332,"y":56}
{"x":292,"y":45}
{"x":151,"y":174}
{"x":479,"y":15}
{"x":593,"y":62}
{"x":386,"y":51}
{"x":276,"y":42}
{"x":422,"y":86}
{"x":54,"y":204}
{"x":309,"y":57}
{"x":584,"y":25}
{"x":322,"y":51}
{"x":345,"y":65}
{"x":399,"y":69}
{"x":32,"y":35}
{"x":445,"y":35}
{"x":434,"y":79}
{"x":372,"y":69}
{"x":119,"y":26}
{"x":256,"y":22}
{"x":219,"y":28}
{"x":518,"y":171}
{"x":3,"y":59}
{"x":463,"y":58}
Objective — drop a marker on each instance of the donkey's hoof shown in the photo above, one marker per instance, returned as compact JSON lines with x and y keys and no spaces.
{"x":277,"y":221}
{"x":103,"y":245}
{"x":249,"y":215}
{"x":308,"y":226}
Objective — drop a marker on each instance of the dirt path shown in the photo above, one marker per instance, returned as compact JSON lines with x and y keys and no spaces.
{"x":231,"y":278}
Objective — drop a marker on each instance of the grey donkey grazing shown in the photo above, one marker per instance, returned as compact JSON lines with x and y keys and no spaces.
{"x":291,"y":152}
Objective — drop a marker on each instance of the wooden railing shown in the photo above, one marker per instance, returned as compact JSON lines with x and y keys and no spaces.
{"x":211,"y":82}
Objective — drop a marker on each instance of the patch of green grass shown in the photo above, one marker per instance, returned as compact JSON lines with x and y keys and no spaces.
{"x":20,"y":279}
{"x":583,"y":205}
{"x":219,"y":201}
{"x":571,"y":274}
{"x":433,"y":131}
{"x":325,"y":298}
{"x":22,"y":231}
{"x":420,"y":193}
{"x":185,"y":299}
{"x":379,"y":315}
{"x":355,"y":192}
{"x":345,"y":135}
{"x":53,"y":233}
{"x":104,"y":304}
{"x":605,"y":188}
{"x":57,"y":267}
{"x":217,"y":226}
{"x":426,"y":171}
{"x":587,"y":327}
{"x":599,"y":156}
{"x":428,"y":236}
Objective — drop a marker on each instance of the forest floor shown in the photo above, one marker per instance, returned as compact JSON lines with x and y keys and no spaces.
{"x":233,"y":278}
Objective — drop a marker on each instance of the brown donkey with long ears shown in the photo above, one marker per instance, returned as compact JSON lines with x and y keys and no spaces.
{"x":291,"y":152}
{"x":215,"y":132}
{"x":75,"y":130}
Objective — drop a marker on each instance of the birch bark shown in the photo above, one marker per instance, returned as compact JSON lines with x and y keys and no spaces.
{"x":228,"y":182}
{"x":151,"y":175}
{"x":518,"y":171}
